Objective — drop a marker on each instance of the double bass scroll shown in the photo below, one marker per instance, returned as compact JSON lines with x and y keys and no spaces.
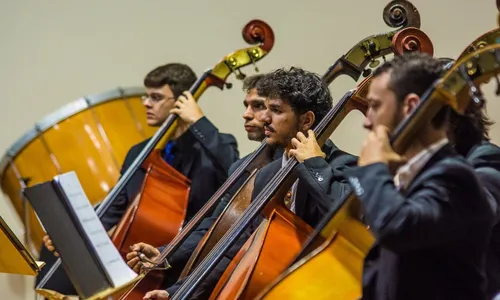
{"x":366,"y":54}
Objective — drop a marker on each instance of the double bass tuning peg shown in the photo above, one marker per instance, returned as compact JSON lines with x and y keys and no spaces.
{"x":240,"y":75}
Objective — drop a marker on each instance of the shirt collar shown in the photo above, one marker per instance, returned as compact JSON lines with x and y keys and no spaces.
{"x":406,"y":173}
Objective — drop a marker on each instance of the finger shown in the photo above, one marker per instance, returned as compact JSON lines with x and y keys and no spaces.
{"x":179,"y":104}
{"x":175,"y":110}
{"x":301,"y":137}
{"x":295,"y":142}
{"x":181,"y":99}
{"x":139,"y":246}
{"x":148,"y":295}
{"x":311,"y":135}
{"x":188,"y":95}
{"x":292,"y":152}
{"x":137,"y":267}
{"x":382,"y":131}
{"x":56,"y":254}
{"x":131,"y":255}
{"x":45,"y":238}
{"x":132,"y":262}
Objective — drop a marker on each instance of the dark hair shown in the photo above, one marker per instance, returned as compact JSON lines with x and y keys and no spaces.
{"x":251,"y":82}
{"x":414,"y":72}
{"x":179,"y":78}
{"x":470,"y":128}
{"x":303,"y":90}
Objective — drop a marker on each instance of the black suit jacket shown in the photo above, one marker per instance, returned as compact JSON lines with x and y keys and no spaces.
{"x":485,"y":158}
{"x":202,"y":154}
{"x":321,"y":182}
{"x":430,"y":239}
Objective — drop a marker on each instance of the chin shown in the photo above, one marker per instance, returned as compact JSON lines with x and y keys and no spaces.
{"x":252,"y":136}
{"x":270,"y":141}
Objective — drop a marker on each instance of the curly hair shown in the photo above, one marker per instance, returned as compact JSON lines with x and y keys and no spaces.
{"x":179,"y":78}
{"x":414,"y":72}
{"x":303,"y":90}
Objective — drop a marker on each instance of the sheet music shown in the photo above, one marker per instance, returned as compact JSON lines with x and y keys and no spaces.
{"x":116,"y":268}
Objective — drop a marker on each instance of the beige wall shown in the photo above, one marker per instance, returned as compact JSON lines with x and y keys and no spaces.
{"x":53,"y":52}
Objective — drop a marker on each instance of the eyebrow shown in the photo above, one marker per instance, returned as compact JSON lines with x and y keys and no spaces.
{"x":275,"y":106}
{"x":253,"y":101}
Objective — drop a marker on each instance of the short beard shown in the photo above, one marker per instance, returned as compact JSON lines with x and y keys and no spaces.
{"x":256,"y":136}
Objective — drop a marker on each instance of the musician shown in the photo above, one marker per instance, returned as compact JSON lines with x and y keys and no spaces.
{"x":254,"y":107}
{"x":432,"y":219}
{"x":470,"y":135}
{"x":296,"y":100}
{"x":197,"y":149}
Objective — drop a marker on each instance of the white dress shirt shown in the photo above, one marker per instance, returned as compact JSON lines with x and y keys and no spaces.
{"x":406,"y":173}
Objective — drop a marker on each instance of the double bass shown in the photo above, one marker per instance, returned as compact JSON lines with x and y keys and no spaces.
{"x":355,"y":63}
{"x":157,"y":213}
{"x":343,"y":239}
{"x":255,"y":32}
{"x":268,"y":201}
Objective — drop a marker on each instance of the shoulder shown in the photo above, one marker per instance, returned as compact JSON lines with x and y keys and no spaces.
{"x":485,"y":154}
{"x":134,"y":151}
{"x":132,"y":154}
{"x":228,"y":138}
{"x":236,"y":164}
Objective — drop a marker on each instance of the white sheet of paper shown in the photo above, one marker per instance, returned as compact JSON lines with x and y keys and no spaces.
{"x":116,"y":268}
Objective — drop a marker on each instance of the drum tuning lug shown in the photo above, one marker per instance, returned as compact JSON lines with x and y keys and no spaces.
{"x":367,"y":72}
{"x":374,"y":63}
{"x":228,"y":85}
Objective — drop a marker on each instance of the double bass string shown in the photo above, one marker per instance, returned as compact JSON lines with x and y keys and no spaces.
{"x":251,"y":212}
{"x":174,"y":244}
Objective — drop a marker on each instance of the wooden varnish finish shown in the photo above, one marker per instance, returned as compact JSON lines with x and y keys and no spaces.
{"x":164,"y":196}
{"x":274,"y":245}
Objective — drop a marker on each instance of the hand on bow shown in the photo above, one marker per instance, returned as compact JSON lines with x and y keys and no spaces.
{"x":305,"y":147}
{"x":49,"y":245}
{"x":156,"y":294}
{"x":135,"y":262}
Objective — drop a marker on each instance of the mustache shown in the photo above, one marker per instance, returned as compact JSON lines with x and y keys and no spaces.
{"x":268,"y":127}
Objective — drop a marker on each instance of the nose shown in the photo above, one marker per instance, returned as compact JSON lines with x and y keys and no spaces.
{"x":265,"y":117}
{"x":367,"y":124}
{"x":147,"y":102}
{"x":248,"y":115}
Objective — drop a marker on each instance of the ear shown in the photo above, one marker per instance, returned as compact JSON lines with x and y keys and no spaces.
{"x":410,"y":103}
{"x":306,"y":121}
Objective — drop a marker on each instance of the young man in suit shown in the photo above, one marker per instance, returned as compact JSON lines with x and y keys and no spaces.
{"x":254,"y":126}
{"x":296,"y":101}
{"x":432,"y":219}
{"x":198,"y":150}
{"x":469,"y":135}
